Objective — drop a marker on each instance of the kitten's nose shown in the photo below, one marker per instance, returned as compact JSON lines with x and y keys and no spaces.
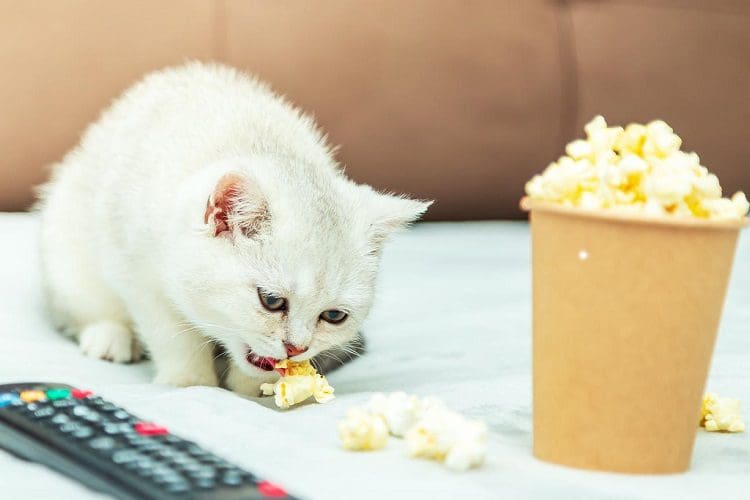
{"x":293,"y":350}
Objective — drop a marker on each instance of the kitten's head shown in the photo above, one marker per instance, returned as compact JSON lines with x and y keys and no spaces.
{"x":283,"y":268}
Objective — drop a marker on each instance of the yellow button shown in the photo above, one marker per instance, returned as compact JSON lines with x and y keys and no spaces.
{"x":31,"y":396}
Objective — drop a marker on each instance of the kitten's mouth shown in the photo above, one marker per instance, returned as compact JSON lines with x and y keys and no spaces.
{"x":264,"y":363}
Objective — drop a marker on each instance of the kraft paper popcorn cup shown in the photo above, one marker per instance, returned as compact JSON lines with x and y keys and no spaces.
{"x":626,"y":307}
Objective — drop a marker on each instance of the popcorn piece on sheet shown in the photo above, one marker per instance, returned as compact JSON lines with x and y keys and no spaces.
{"x":399,"y":410}
{"x":446,"y":436}
{"x":363,"y":431}
{"x":637,"y":170}
{"x":430,"y":429}
{"x":721,"y":414}
{"x":299,"y":382}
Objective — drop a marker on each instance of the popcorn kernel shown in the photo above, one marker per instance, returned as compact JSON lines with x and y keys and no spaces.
{"x":721,"y":414}
{"x":363,"y":431}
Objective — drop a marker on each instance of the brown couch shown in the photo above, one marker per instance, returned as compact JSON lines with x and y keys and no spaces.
{"x":453,"y":100}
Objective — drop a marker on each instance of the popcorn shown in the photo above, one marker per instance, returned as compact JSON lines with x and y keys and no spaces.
{"x":299,"y":382}
{"x":363,"y":431}
{"x":430,"y":429}
{"x":721,"y":414}
{"x":448,"y":437}
{"x":399,"y":411}
{"x":637,"y":170}
{"x":661,"y":141}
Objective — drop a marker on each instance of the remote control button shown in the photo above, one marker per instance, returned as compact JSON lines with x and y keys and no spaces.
{"x":8,"y":398}
{"x":149,"y":429}
{"x":203,"y":472}
{"x":181,"y":459}
{"x":69,"y":427}
{"x":165,"y":453}
{"x":80,"y":393}
{"x":116,"y":428}
{"x":84,"y":432}
{"x":190,"y":467}
{"x":64,"y":403}
{"x":163,"y":471}
{"x":126,"y":456}
{"x":121,"y":415}
{"x":171,"y":439}
{"x":171,"y":478}
{"x":136,"y":439}
{"x":148,"y":446}
{"x":92,"y":417}
{"x":178,"y":487}
{"x":57,"y":393}
{"x":103,"y":443}
{"x":232,"y":478}
{"x":44,"y":412}
{"x":210,"y":459}
{"x":206,"y":483}
{"x":31,"y":395}
{"x":80,"y":410}
{"x":271,"y":490}
{"x":145,"y":467}
{"x":60,"y":419}
{"x":31,"y":408}
{"x":108,"y":407}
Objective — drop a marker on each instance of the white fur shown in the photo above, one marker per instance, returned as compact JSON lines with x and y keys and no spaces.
{"x":126,"y":250}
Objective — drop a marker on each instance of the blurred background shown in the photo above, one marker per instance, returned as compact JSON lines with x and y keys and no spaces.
{"x":460,"y":101}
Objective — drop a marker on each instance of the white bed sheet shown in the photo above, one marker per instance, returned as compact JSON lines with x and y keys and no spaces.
{"x":452,"y":320}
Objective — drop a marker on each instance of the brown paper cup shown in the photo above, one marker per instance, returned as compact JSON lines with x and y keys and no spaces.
{"x":625,"y":314}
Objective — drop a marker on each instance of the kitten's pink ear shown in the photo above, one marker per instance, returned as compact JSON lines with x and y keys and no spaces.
{"x":235,"y":206}
{"x":392,"y":213}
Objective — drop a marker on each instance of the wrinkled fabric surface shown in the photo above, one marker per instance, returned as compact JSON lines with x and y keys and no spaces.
{"x":452,"y":320}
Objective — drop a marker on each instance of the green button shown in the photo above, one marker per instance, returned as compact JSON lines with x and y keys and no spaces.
{"x":53,"y":394}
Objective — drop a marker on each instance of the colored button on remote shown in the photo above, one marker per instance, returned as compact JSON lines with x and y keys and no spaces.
{"x":81,"y":393}
{"x":57,"y":393}
{"x":31,"y":396}
{"x":8,"y":398}
{"x":270,"y":490}
{"x":149,"y":429}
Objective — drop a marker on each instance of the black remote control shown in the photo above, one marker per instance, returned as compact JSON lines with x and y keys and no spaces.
{"x":112,"y":451}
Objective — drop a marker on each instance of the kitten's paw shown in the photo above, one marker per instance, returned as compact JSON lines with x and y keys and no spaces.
{"x":241,"y":383}
{"x":186,"y":378}
{"x":109,"y":340}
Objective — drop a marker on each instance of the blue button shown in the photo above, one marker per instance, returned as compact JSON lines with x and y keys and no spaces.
{"x":8,"y":398}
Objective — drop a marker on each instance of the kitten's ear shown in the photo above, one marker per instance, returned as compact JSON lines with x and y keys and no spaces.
{"x":236,"y":205}
{"x":391,"y":213}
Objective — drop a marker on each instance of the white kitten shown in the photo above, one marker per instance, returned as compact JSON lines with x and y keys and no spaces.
{"x":203,"y":207}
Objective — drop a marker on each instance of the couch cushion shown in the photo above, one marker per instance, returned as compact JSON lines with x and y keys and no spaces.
{"x":68,"y":60}
{"x":458,"y":103}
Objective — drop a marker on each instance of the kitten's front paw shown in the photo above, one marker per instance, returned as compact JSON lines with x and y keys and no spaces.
{"x":109,"y":340}
{"x":186,"y":378}
{"x":241,"y":383}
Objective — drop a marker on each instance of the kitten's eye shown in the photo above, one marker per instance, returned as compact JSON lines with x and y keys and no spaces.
{"x":271,"y":302}
{"x":333,"y":316}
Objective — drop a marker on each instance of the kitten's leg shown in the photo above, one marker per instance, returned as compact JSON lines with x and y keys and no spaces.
{"x":238,"y":381}
{"x":83,"y":306}
{"x":109,"y":340}
{"x":181,"y":355}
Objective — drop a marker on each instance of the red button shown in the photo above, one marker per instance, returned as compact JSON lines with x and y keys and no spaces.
{"x":81,"y":393}
{"x":268,"y":489}
{"x":150,"y":429}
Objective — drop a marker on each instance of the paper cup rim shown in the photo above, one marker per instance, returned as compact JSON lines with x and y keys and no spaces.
{"x":529,"y":205}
